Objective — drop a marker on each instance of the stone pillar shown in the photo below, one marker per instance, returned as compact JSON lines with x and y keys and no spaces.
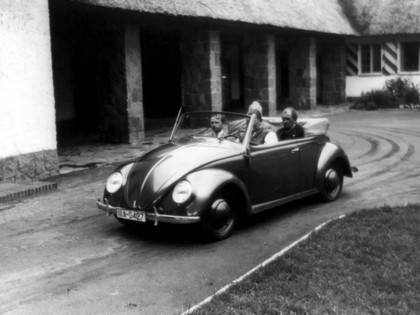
{"x":120,"y":89}
{"x":134,"y":84}
{"x":303,"y":74}
{"x":333,"y":73}
{"x":201,"y":75}
{"x":260,"y":71}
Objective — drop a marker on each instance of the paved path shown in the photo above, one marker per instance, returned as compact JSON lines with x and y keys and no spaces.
{"x":60,"y":255}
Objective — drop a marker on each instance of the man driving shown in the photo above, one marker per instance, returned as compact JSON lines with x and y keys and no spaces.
{"x":216,"y":124}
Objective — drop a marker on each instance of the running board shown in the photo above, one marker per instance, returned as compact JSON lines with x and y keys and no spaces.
{"x":271,"y":204}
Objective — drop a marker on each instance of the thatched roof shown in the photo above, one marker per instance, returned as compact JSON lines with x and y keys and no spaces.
{"x":324,"y":16}
{"x":381,"y":17}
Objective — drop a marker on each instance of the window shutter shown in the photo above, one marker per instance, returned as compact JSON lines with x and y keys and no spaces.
{"x":352,"y":68}
{"x":390,"y":58}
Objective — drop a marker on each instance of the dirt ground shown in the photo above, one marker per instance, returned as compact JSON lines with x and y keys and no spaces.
{"x":61,"y":255}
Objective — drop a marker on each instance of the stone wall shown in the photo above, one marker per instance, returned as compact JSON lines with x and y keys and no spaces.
{"x":29,"y":167}
{"x":202,"y":83}
{"x":260,"y":71}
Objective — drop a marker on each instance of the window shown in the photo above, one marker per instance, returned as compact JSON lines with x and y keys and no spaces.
{"x":410,"y":56}
{"x":371,"y":58}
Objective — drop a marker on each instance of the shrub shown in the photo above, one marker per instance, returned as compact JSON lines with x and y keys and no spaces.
{"x":396,"y":92}
{"x":371,"y":106}
{"x":403,"y":90}
{"x":412,"y":97}
{"x":373,"y":100}
{"x":357,"y":105}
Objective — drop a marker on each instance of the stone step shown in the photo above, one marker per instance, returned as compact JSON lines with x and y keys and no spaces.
{"x":13,"y":190}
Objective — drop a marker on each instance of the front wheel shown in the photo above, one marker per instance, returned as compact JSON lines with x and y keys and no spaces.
{"x":218,"y":222}
{"x":332,"y":183}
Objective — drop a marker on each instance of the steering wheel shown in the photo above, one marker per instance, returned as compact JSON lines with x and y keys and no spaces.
{"x":232,"y":135}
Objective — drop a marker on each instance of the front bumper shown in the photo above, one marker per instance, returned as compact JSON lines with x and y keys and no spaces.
{"x":150,"y":216}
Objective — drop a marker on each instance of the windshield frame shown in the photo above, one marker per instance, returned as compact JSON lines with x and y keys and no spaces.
{"x":180,"y":119}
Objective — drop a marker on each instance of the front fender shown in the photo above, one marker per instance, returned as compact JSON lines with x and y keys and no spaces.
{"x":116,"y":198}
{"x":206,"y":182}
{"x":332,"y":153}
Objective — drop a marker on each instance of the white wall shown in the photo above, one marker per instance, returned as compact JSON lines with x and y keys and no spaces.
{"x":27,"y":114}
{"x":356,"y":85}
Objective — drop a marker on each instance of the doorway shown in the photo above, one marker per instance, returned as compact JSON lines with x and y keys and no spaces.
{"x":80,"y":69}
{"x":282,"y":78}
{"x":161,"y":69}
{"x":319,"y":78}
{"x":232,"y":73}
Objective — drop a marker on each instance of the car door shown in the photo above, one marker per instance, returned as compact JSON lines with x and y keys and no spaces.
{"x":273,"y":171}
{"x":310,"y":150}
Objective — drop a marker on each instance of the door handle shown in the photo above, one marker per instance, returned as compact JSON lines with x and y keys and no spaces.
{"x":295,"y":150}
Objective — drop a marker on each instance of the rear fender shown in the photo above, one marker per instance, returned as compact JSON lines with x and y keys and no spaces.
{"x":332,"y":153}
{"x":205,"y":183}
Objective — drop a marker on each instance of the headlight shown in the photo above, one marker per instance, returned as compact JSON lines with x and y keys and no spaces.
{"x":181,"y":192}
{"x":114,"y":182}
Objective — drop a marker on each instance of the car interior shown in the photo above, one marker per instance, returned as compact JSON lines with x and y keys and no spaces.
{"x":311,"y":126}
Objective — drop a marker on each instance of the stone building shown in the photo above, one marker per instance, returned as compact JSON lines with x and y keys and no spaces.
{"x":76,"y":71}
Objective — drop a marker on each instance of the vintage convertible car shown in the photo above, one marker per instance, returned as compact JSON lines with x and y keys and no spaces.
{"x":199,"y":178}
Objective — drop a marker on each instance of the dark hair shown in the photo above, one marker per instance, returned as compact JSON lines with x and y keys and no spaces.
{"x":220,"y":117}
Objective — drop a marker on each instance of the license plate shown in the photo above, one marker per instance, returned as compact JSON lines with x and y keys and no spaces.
{"x":132,"y":215}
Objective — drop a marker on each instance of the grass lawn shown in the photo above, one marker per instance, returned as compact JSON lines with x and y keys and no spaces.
{"x":365,"y":263}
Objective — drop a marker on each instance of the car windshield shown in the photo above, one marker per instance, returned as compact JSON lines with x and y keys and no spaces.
{"x":216,"y":125}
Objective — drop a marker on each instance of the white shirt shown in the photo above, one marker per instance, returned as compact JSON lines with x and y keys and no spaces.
{"x":270,"y":138}
{"x":221,"y":134}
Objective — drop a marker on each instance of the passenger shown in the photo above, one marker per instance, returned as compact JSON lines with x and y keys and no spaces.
{"x":254,"y":107}
{"x":261,"y":135}
{"x":291,"y":129}
{"x":239,"y":127}
{"x":216,"y":124}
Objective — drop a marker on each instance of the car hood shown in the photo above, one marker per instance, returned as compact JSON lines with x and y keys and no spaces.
{"x":158,"y":169}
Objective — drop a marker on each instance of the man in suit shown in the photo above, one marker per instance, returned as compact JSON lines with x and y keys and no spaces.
{"x":291,"y":129}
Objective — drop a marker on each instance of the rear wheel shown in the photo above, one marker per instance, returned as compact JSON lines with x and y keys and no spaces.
{"x":218,"y":222}
{"x":332,"y":183}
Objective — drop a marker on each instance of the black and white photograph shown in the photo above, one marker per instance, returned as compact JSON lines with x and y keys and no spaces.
{"x":188,"y":157}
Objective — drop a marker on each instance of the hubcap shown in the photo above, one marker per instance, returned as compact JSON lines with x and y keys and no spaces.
{"x":220,"y":213}
{"x":332,"y":180}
